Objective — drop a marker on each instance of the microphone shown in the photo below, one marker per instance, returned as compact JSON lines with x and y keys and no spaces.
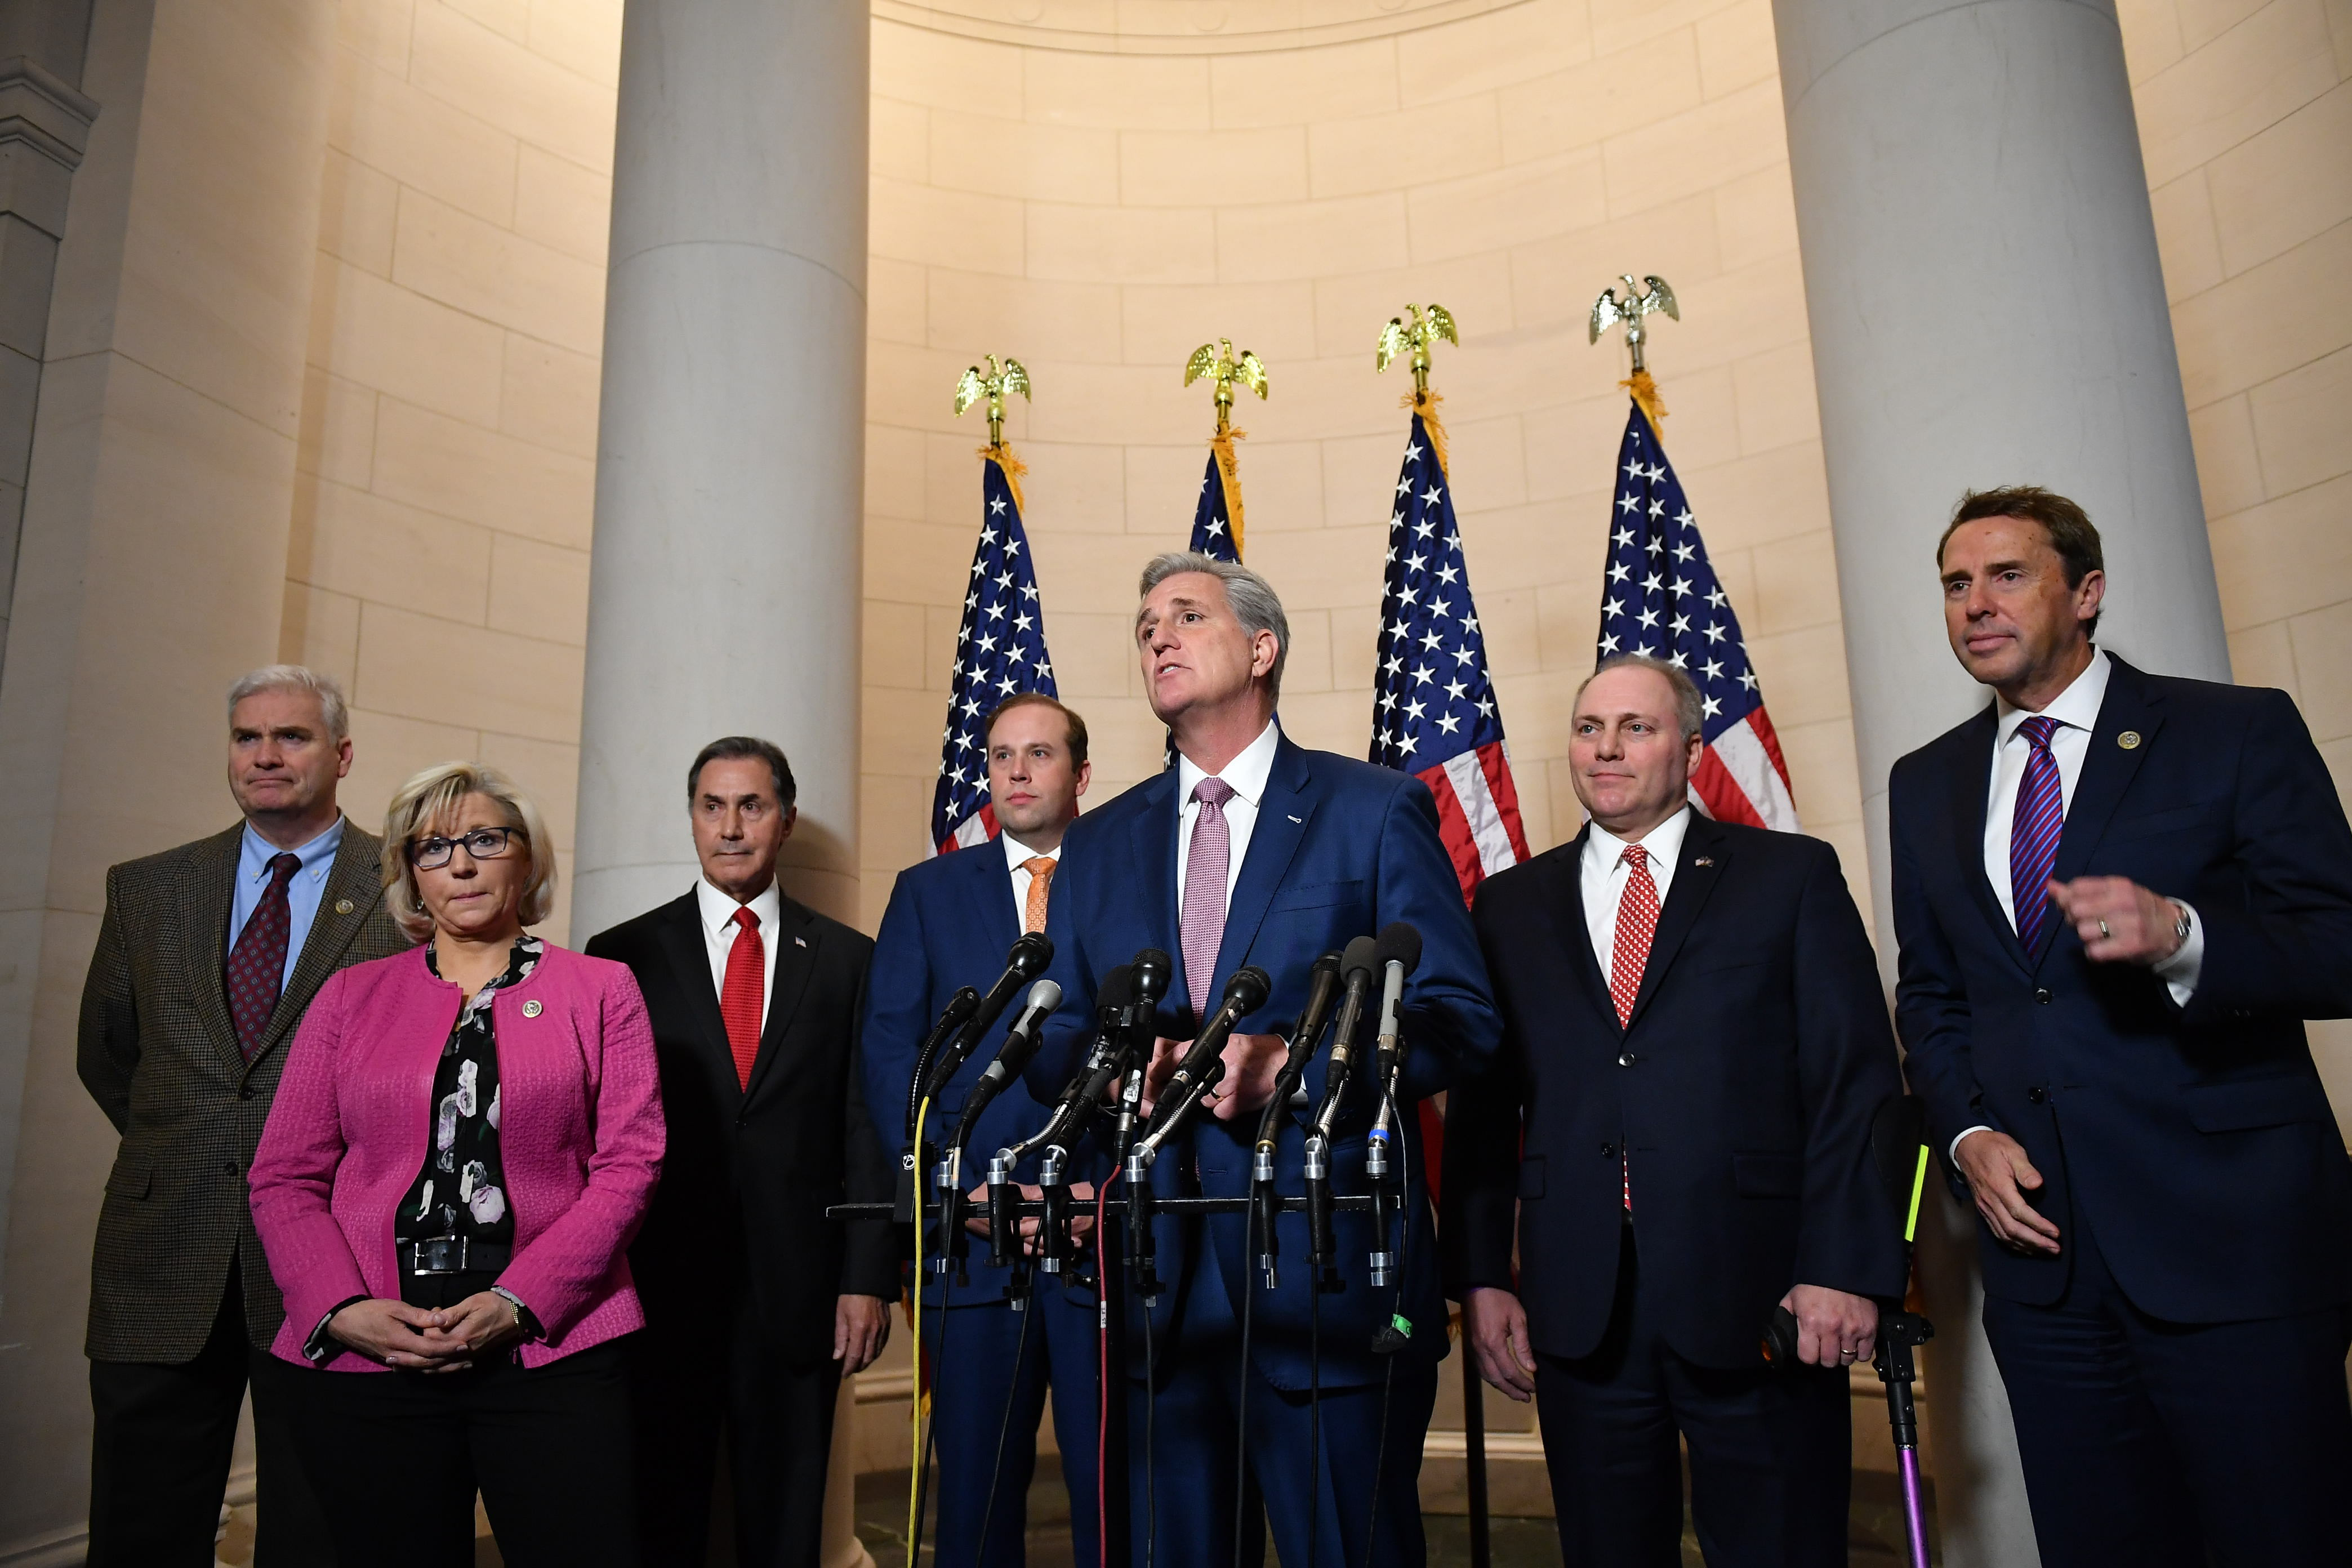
{"x":1025,"y":963}
{"x":959,"y":1007}
{"x":1079,"y":1096}
{"x":1359,"y":964}
{"x":1149,"y":970}
{"x":1244,"y":993}
{"x":1400,"y":956}
{"x":1322,"y":991}
{"x":1027,"y":1034}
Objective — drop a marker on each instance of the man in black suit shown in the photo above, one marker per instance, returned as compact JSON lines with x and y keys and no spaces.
{"x":2119,"y":896}
{"x":1694,"y":1045}
{"x":756,"y":1305}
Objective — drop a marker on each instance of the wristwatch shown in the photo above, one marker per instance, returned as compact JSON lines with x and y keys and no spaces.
{"x":2181,"y":925}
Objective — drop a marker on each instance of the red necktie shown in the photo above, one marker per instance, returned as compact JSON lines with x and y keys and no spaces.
{"x":256,"y":971}
{"x":743,"y":998}
{"x":1637,"y":922}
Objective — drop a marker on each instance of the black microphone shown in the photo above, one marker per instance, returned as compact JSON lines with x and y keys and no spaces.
{"x":1245,"y":993}
{"x":1102,"y":1066}
{"x":960,"y":1007}
{"x":1025,"y":963}
{"x":1360,"y":963}
{"x":1322,"y":991}
{"x":1149,"y":973}
{"x":1027,"y":1034}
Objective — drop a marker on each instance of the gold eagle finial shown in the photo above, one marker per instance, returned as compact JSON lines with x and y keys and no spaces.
{"x":1412,"y":333}
{"x":1608,"y":310}
{"x":1226,"y":368}
{"x":993,"y":385}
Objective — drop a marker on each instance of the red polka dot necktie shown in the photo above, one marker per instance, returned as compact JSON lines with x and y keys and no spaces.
{"x":740,"y":999}
{"x":256,"y":971}
{"x":2033,"y":829}
{"x":1637,"y":922}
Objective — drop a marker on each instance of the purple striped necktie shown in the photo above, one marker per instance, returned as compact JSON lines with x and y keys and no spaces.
{"x":1202,"y":928}
{"x":2033,"y":829}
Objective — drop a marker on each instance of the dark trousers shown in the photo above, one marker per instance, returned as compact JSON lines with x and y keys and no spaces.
{"x":1187,"y":1511}
{"x":976,"y":1400}
{"x":398,"y":1456}
{"x":2160,"y":1444}
{"x":1770,"y":1452}
{"x":160,"y":1455}
{"x":777,"y":1417}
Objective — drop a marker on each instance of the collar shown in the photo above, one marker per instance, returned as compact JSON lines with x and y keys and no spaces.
{"x":2077,"y":707}
{"x":1016,"y":852}
{"x":718,"y":909}
{"x":255,"y":853}
{"x":1602,"y":848}
{"x":1247,"y":774}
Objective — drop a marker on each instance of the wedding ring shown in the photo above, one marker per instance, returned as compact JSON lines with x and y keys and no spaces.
{"x":2103,"y":932}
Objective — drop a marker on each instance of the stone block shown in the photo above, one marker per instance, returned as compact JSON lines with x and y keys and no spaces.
{"x":1507,"y":616}
{"x":1214,"y":168}
{"x":1739,"y":134}
{"x":2288,"y":182}
{"x":1702,"y":417}
{"x":2323,"y":659}
{"x":1355,"y":649}
{"x":582,"y":35}
{"x":1796,"y":586}
{"x":1313,"y":239}
{"x":1647,"y":21}
{"x":1350,"y":310}
{"x":548,"y":396}
{"x":1162,"y":324}
{"x":1033,"y":320}
{"x":443,"y":464}
{"x":1094,"y":653}
{"x":2187,"y":241}
{"x":1557,"y":280}
{"x":2249,"y":77}
{"x":1384,"y":151}
{"x":548,"y":772}
{"x":1359,"y":475}
{"x":2263,"y":656}
{"x":898,"y":140}
{"x":563,"y":206}
{"x":1571,"y":448}
{"x":422,"y":666}
{"x":1116,"y":402}
{"x":895,"y":296}
{"x":941,"y":624}
{"x":1754,"y":216}
{"x":20,"y":390}
{"x":1308,"y":668}
{"x":1736,"y":48}
{"x":2231,"y":338}
{"x":918,"y":562}
{"x":1488,"y":458}
{"x":321,"y":629}
{"x":499,"y":276}
{"x":1012,"y":157}
{"x":900,"y":731}
{"x":1321,"y":569}
{"x":377,"y":30}
{"x":337,"y":439}
{"x":1822,"y":773}
{"x":2300,"y":426}
{"x":1757,"y":500}
{"x":919,"y":65}
{"x":2203,"y":21}
{"x":377,"y":333}
{"x":2287,"y":557}
{"x":388,"y":750}
{"x":539,"y":590}
{"x":1736,"y":313}
{"x":2229,"y":466}
{"x":893,"y":471}
{"x":893,"y":643}
{"x":1163,"y":486}
{"x":915,"y":386}
{"x":1073,"y":488}
{"x":1498,"y":209}
{"x":359,"y":208}
{"x":1497,"y":48}
{"x":509,"y":18}
{"x":382,"y":552}
{"x":1122,"y":245}
{"x":1123,"y":92}
{"x":2151,"y":30}
{"x":1567,"y":623}
{"x":1777,"y":400}
{"x":1299,"y":87}
{"x":429,"y":143}
{"x":1802,"y":674}
{"x":1583,"y":104}
{"x":523,"y":93}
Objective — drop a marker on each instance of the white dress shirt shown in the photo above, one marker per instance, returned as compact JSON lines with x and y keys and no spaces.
{"x":1247,"y":774}
{"x":2077,"y":709}
{"x":1016,"y":852}
{"x":1603,"y":871}
{"x":720,"y":930}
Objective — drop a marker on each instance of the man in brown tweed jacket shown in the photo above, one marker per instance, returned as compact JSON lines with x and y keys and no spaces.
{"x":206,"y":958}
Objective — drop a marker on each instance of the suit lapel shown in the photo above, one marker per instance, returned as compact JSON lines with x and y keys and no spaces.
{"x":1972,"y":782}
{"x":1151,"y":852}
{"x":796,"y":937}
{"x":2132,"y":706}
{"x":354,"y":884}
{"x":988,"y":884}
{"x":1563,"y":906}
{"x":688,"y":952}
{"x":206,"y":900}
{"x":1706,"y":852}
{"x":1283,"y":814}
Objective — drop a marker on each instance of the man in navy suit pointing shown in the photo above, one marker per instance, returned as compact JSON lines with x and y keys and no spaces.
{"x":1253,"y":850}
{"x":2120,"y":895}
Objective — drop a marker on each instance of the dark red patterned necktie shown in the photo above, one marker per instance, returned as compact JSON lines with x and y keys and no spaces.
{"x":257,"y":965}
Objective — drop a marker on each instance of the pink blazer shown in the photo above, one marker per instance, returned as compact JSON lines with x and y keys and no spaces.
{"x":580,"y":1134}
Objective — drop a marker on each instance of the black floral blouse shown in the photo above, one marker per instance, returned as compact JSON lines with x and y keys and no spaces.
{"x":461,"y":1191}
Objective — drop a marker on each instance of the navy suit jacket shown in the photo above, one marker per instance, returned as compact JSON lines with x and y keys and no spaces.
{"x":2197,"y":1141}
{"x":1744,"y":1087}
{"x":950,"y":923}
{"x":1340,"y":849}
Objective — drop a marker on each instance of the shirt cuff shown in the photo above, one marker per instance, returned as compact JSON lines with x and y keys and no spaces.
{"x":320,"y":1348}
{"x":1952,"y":1153}
{"x":2180,"y":972}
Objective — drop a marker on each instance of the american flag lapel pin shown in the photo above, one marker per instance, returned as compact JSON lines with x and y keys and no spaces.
{"x":1704,"y":860}
{"x":799,"y":942}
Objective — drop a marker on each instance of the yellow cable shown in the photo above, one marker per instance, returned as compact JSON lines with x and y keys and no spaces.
{"x":915,"y":1403}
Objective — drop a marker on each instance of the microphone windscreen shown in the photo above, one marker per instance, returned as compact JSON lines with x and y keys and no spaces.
{"x":1116,"y":990}
{"x":1045,"y":997}
{"x":1030,"y":955}
{"x":1250,"y":986}
{"x":1400,"y":943}
{"x":1363,"y":956}
{"x":1151,"y":969}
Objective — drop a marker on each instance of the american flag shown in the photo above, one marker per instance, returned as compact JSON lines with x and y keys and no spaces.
{"x":1434,"y":711}
{"x":1217,"y":519}
{"x":1000,"y":650}
{"x":1661,"y":599}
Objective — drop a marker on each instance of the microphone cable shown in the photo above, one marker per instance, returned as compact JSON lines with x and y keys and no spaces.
{"x":1012,"y":1397}
{"x":1241,"y":1392}
{"x":1388,"y":1374}
{"x":920,"y":1435}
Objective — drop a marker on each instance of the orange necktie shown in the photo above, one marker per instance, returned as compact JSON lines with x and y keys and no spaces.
{"x":1040,"y":877}
{"x":739,"y":999}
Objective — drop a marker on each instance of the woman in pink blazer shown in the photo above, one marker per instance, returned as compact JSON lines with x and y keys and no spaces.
{"x":464,"y":1142}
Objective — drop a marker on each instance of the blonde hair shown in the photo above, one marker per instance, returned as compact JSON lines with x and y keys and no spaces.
{"x":433,"y":795}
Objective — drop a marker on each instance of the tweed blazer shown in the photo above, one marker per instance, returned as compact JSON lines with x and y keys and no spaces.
{"x":158,"y":1054}
{"x":580,"y":1139}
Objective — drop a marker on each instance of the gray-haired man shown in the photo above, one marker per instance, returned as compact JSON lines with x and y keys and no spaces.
{"x":206,"y":958}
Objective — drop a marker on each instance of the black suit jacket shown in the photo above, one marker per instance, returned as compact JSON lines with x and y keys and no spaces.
{"x":749,"y":1174}
{"x":1744,"y":1087}
{"x":2198,"y":1141}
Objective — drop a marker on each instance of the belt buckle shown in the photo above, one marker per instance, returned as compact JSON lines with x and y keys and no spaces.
{"x":441,"y":1249}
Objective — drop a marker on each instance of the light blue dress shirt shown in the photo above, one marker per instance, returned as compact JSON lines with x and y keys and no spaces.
{"x":302,"y":894}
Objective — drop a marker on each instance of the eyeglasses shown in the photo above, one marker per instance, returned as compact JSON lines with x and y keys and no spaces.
{"x":482,"y":844}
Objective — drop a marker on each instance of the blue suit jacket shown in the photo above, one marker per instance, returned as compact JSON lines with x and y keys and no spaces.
{"x":1340,"y":849}
{"x":2197,"y":1141}
{"x":950,"y":923}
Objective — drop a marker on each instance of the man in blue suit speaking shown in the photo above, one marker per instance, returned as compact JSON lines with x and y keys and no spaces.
{"x":2120,"y":895}
{"x":1253,"y":850}
{"x":950,"y":923}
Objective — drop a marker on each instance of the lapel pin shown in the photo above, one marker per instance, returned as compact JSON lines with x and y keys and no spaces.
{"x":344,"y":906}
{"x":799,"y":942}
{"x":1704,"y":860}
{"x":2128,"y":740}
{"x":532,"y":1009}
{"x":1294,"y":818}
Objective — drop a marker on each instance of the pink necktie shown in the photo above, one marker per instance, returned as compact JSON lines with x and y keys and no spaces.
{"x":1203,"y":925}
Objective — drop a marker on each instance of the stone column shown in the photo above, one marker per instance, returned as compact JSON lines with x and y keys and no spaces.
{"x":726,"y":587}
{"x":1987,"y":308}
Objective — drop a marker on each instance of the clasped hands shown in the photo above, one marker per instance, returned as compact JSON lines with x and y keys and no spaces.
{"x":1835,"y":1329}
{"x":426,"y":1338}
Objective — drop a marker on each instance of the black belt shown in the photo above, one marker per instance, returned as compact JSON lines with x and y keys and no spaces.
{"x":451,"y":1254}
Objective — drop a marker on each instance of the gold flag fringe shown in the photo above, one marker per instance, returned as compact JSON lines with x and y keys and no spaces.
{"x":1645,"y":393}
{"x":1425,"y":404}
{"x":1013,"y":469}
{"x":1229,"y":472}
